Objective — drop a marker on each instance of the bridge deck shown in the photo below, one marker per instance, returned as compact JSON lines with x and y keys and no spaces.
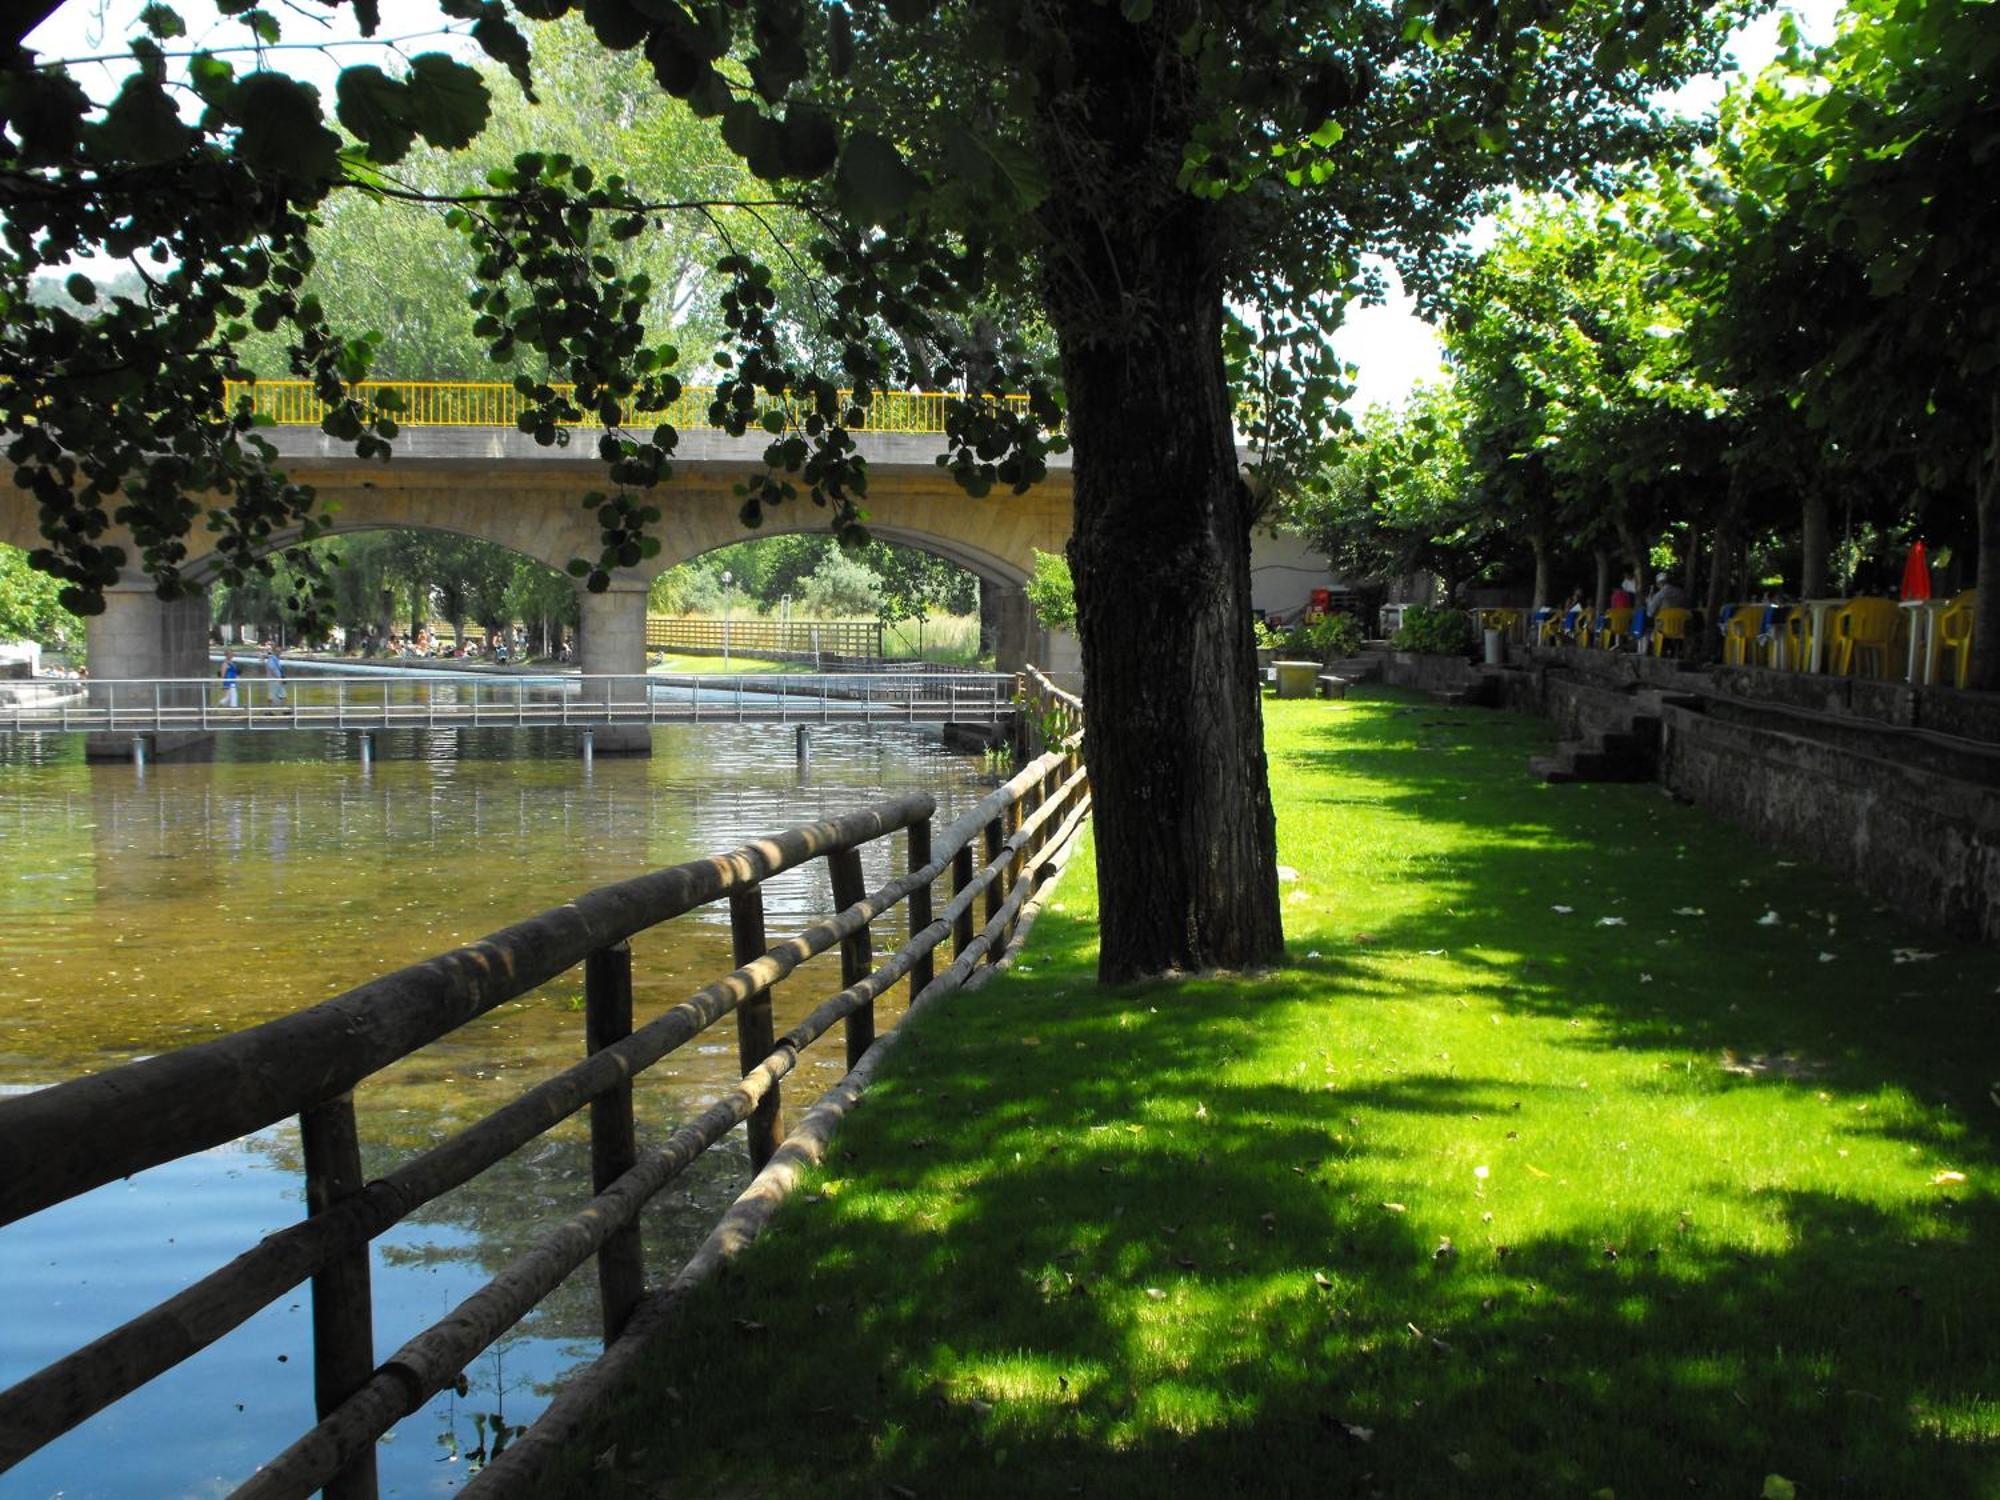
{"x":456,"y":701}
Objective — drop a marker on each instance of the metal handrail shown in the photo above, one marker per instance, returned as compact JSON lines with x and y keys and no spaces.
{"x":356,"y":702}
{"x":496,"y":403}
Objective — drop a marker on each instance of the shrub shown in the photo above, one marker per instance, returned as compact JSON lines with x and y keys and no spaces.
{"x":1052,"y":592}
{"x":1330,"y":635}
{"x":1433,"y":631}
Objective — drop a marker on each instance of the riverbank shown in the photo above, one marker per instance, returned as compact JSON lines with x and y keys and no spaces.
{"x":1579,"y":1146}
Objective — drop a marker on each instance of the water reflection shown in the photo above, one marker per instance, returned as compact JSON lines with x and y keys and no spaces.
{"x":141,"y":914}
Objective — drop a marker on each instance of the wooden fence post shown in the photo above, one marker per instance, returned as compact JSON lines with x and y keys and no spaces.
{"x":755,"y":1031}
{"x":343,"y":1312}
{"x":996,"y":888}
{"x":921,"y":968}
{"x":857,"y":953}
{"x":961,"y":877}
{"x":614,"y":1144}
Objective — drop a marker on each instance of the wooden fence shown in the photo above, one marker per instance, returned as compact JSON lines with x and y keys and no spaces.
{"x":754,"y":636}
{"x":62,"y":1141}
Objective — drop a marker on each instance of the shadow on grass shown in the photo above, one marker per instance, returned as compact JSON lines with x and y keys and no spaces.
{"x":1228,"y":1237}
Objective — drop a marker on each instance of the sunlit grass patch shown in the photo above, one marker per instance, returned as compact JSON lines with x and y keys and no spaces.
{"x":1546,"y":1164}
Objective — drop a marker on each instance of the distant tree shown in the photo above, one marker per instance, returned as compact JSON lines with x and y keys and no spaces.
{"x":30,"y":602}
{"x":842,"y":584}
{"x":1052,"y":592}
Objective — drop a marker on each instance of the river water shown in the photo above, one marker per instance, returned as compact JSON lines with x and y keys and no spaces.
{"x":141,"y":912}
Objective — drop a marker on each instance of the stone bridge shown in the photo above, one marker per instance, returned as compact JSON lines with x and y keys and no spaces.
{"x":460,"y":466}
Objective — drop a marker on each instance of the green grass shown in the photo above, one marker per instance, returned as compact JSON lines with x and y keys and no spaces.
{"x":1473,"y":1197}
{"x":737,"y":664}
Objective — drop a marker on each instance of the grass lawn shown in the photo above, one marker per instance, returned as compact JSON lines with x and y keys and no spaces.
{"x":738,"y":664}
{"x":1549,"y":1164}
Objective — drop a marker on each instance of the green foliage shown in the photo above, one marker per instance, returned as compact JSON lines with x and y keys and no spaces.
{"x":1432,"y":630}
{"x":841,"y":585}
{"x":30,"y":603}
{"x":1052,"y":592}
{"x":1328,"y":635}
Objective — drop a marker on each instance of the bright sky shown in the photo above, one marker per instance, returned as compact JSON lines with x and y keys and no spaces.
{"x":1392,"y":348}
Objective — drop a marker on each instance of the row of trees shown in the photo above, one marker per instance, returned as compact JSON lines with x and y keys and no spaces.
{"x":1777,"y":354}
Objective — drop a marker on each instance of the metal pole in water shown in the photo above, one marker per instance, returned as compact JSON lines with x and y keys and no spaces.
{"x":588,"y":748}
{"x":805,"y":745}
{"x":367,"y":751}
{"x":139,"y":753}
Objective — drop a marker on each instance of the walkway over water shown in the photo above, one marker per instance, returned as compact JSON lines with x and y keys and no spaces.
{"x":202,"y":705}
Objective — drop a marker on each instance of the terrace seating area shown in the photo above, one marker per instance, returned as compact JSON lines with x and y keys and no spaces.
{"x":1925,"y":642}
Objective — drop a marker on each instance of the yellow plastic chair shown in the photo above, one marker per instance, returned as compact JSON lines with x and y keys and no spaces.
{"x":1671,"y":625}
{"x":1549,"y":632}
{"x":1864,"y":630}
{"x":1795,"y":638}
{"x":1506,"y":621}
{"x":1954,"y":634}
{"x":1739,"y":634}
{"x":1616,"y":627}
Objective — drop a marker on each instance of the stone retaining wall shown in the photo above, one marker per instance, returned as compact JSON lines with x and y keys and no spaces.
{"x":1924,"y":843}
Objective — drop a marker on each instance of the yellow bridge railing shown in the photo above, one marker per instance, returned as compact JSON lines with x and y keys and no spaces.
{"x":494,"y":403}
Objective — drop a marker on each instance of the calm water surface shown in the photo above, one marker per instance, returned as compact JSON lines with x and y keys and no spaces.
{"x":142,"y":913}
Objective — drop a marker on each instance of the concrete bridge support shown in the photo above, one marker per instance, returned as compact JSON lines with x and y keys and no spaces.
{"x":141,"y":635}
{"x":611,"y":637}
{"x":1016,"y":636}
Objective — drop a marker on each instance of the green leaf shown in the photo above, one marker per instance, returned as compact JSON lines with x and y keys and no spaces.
{"x":873,"y":183}
{"x":619,"y":24}
{"x":81,"y":289}
{"x":377,"y":110}
{"x":810,"y":142}
{"x":142,"y":125}
{"x":449,"y":103}
{"x":1138,"y":12}
{"x":501,"y":40}
{"x":45,"y":113}
{"x":162,"y":21}
{"x":280,"y":128}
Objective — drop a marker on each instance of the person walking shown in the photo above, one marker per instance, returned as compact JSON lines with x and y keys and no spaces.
{"x":230,"y":672}
{"x":274,"y":668}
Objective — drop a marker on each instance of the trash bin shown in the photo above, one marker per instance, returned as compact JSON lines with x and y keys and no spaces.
{"x":1496,"y":649}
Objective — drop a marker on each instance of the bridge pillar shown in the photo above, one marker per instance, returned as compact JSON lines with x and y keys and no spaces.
{"x":611,"y":638}
{"x":1017,"y":639}
{"x":141,"y":636}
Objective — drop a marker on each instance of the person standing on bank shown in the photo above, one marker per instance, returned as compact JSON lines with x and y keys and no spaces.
{"x":274,"y":668}
{"x":230,"y":672}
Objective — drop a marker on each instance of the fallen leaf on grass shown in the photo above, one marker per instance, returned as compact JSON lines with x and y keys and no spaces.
{"x":1690,"y":911}
{"x":1396,"y":1208}
{"x":1910,"y":956}
{"x":1942,"y":1178}
{"x":1610,"y":921}
{"x":1565,"y":910}
{"x":1323,"y":1281}
{"x":1537,"y":1171}
{"x":1769,"y":919}
{"x":1358,"y":1433}
{"x":1156,"y":1294}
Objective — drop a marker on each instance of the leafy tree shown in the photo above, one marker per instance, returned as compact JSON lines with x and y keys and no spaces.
{"x":843,"y":584}
{"x":30,"y":609}
{"x":1133,"y":170}
{"x":1052,"y":592}
{"x":1858,"y":178}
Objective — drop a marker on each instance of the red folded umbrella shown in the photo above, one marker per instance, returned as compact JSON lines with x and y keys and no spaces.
{"x":1917,"y":573}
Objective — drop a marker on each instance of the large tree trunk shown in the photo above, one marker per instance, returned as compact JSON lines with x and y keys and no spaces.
{"x":1985,"y":669}
{"x":1173,"y":718}
{"x":1601,"y":600}
{"x":1544,"y":570}
{"x":1813,"y":545}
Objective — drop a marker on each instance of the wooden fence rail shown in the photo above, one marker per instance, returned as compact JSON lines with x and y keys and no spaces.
{"x":62,"y":1141}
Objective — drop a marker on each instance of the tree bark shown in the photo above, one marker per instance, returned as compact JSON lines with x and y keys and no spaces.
{"x":1601,"y":601}
{"x":1544,"y":570}
{"x":1173,"y":717}
{"x":1984,"y":673}
{"x":1812,"y":544}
